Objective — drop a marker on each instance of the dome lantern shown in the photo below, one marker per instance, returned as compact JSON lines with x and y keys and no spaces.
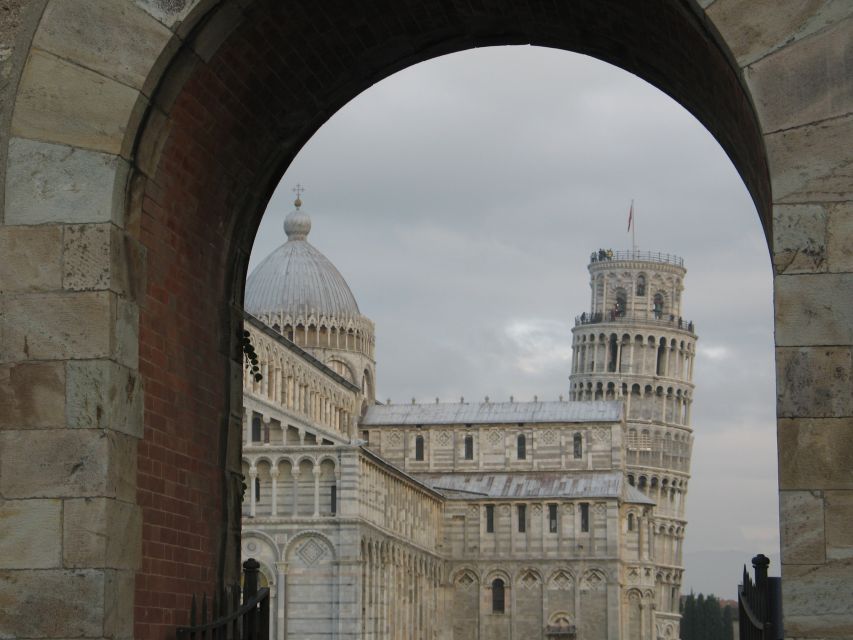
{"x":297,"y":224}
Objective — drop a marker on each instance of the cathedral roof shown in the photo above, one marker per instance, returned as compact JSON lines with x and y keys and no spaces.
{"x":493,"y":413}
{"x":542,"y":484}
{"x":297,"y":279}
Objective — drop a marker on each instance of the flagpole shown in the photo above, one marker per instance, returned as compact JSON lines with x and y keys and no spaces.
{"x":634,"y":228}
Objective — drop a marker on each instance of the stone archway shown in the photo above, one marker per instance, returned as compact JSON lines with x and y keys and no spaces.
{"x":143,"y":142}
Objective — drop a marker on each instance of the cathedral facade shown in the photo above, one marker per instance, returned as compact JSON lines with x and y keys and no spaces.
{"x":456,"y":521}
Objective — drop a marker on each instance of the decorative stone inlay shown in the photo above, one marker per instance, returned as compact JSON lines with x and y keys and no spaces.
{"x":529,"y":581}
{"x":495,"y":437}
{"x":537,"y":509}
{"x":311,"y":551}
{"x":443,"y":438}
{"x":600,"y":508}
{"x":593,"y":580}
{"x":601,"y":434}
{"x":549,"y":437}
{"x":562,"y":581}
{"x":251,"y":546}
{"x":466,"y":581}
{"x":394,"y":438}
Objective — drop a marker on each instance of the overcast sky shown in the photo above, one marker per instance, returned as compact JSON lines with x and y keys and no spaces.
{"x":461,"y":198}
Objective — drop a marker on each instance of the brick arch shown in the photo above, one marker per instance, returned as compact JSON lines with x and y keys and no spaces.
{"x":229,"y":117}
{"x":168,"y":153}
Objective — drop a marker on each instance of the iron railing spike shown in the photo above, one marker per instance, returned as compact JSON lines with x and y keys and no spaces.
{"x":248,"y":620}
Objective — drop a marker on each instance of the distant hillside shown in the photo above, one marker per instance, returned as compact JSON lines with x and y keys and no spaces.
{"x":719,"y":572}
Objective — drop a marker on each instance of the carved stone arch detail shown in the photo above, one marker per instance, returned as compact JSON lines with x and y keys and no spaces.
{"x":561,"y":580}
{"x":561,"y":620}
{"x":305,"y":456}
{"x":304,"y":536}
{"x":593,"y":580}
{"x":284,"y":458}
{"x":529,"y":578}
{"x":327,"y":456}
{"x":268,"y":539}
{"x":495,"y":573}
{"x":263,"y":458}
{"x":633,"y":595}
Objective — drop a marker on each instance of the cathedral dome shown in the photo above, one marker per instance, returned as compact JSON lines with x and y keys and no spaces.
{"x":297,"y":280}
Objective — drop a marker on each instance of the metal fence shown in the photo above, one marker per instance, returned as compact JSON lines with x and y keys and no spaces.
{"x":605,"y":255}
{"x":661,"y":319}
{"x":760,"y":603}
{"x":249,"y":621}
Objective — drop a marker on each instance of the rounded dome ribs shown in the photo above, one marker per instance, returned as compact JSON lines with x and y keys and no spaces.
{"x":297,"y":286}
{"x":298,"y":280}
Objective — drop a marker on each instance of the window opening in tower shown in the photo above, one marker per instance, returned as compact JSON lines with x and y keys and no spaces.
{"x":658,"y":306}
{"x":661,"y":357}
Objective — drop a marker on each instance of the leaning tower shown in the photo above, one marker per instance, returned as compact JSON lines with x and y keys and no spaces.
{"x":635,"y":344}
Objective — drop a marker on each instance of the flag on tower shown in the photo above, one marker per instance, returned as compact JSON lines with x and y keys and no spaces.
{"x":631,"y":216}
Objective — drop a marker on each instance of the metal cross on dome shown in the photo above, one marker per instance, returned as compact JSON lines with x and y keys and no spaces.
{"x":298,"y":190}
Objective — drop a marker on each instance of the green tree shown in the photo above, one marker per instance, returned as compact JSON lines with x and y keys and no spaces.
{"x":688,"y":617}
{"x":702,"y":618}
{"x":728,"y":622}
{"x":713,"y":619}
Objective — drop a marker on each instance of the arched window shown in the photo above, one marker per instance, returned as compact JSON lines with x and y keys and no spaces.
{"x":630,"y":522}
{"x":621,"y":303}
{"x":257,"y":489}
{"x":498,"y":596}
{"x":256,"y":428}
{"x":419,"y":448}
{"x":641,"y":285}
{"x":522,"y":447}
{"x":613,"y":349}
{"x":552,"y":518}
{"x":577,"y":441}
{"x":469,"y":447}
{"x":584,"y":517}
{"x":658,"y":305}
{"x":661,"y":356}
{"x":333,"y":498}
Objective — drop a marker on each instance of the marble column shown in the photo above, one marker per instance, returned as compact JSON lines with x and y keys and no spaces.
{"x":274,"y":478}
{"x":253,"y":475}
{"x":295,"y":475}
{"x":281,"y":601}
{"x":316,"y":491}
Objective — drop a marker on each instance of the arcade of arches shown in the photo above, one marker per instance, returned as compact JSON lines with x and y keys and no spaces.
{"x":139,"y":143}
